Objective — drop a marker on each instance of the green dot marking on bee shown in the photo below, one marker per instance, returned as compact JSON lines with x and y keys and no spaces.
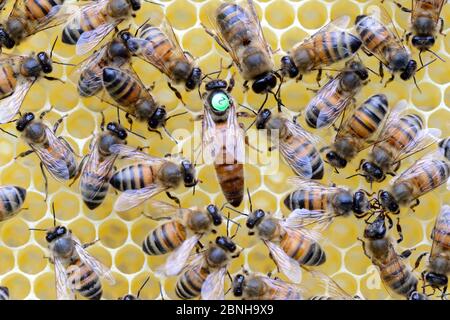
{"x":220,"y":102}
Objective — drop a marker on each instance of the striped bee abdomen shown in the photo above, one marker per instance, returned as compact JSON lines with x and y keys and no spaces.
{"x":444,"y":145}
{"x":123,"y":88}
{"x":302,"y":249}
{"x":84,"y":280}
{"x":429,"y":177}
{"x":441,"y":231}
{"x":397,"y":277}
{"x":38,"y":9}
{"x":316,"y":108}
{"x":189,"y":284}
{"x":8,"y":80}
{"x":373,"y":34}
{"x":91,"y":194}
{"x":11,"y":201}
{"x":133,"y":177}
{"x":165,"y":238}
{"x":4,"y":293}
{"x":87,"y":21}
{"x":90,"y":82}
{"x":303,"y":199}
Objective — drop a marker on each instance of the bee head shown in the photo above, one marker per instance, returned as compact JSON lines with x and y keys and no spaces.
{"x":409,"y":71}
{"x":372,"y":172}
{"x":335,"y":159}
{"x":55,"y":233}
{"x":45,"y":62}
{"x":117,"y":130}
{"x":436,"y":280}
{"x":360,"y":18}
{"x":262,"y":118}
{"x":226,"y":244}
{"x":417,"y":296}
{"x":128,"y":297}
{"x":194,"y":79}
{"x":343,"y":202}
{"x":238,"y":285}
{"x":22,"y":123}
{"x":158,"y":118}
{"x":216,"y":84}
{"x":188,"y":171}
{"x":388,"y":202}
{"x":135,"y":4}
{"x":288,"y":67}
{"x":5,"y":39}
{"x":216,"y":217}
{"x":423,"y":42}
{"x":377,"y":229}
{"x":255,"y":218}
{"x":361,"y":202}
{"x":264,"y":83}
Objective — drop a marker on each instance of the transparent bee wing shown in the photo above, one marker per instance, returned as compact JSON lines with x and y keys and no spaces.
{"x":128,"y":152}
{"x":235,"y":138}
{"x":421,"y":141}
{"x":211,"y":143}
{"x":177,"y":51}
{"x":433,"y":8}
{"x":213,"y":287}
{"x":177,"y":259}
{"x":90,"y":39}
{"x":311,"y":185}
{"x":10,"y":105}
{"x":250,"y":6}
{"x":161,"y":209}
{"x":334,"y":290}
{"x":63,"y":291}
{"x":132,"y":198}
{"x":286,"y":264}
{"x":101,"y":270}
{"x":90,"y":64}
{"x":57,"y":167}
{"x":282,"y":286}
{"x":300,"y":218}
{"x":442,"y":220}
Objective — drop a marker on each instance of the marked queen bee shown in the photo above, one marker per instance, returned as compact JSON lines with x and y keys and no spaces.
{"x":75,"y":269}
{"x":11,"y":201}
{"x":180,"y":235}
{"x":148,"y":176}
{"x":327,"y":46}
{"x":159,"y":46}
{"x":223,"y":139}
{"x":29,"y":17}
{"x":336,"y":95}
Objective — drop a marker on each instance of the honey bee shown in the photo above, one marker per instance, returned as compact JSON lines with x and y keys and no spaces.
{"x":327,"y":46}
{"x":4,"y":293}
{"x":436,"y":274}
{"x":399,"y":138}
{"x":18,"y":74}
{"x":2,"y":4}
{"x":397,"y":277}
{"x":89,"y":72}
{"x":336,"y":95}
{"x":75,"y":269}
{"x":29,"y":17}
{"x":204,"y":274}
{"x":12,"y":199}
{"x":95,"y":20}
{"x":96,"y":168}
{"x":444,"y":145}
{"x":425,"y":175}
{"x":180,"y":234}
{"x":54,"y":152}
{"x":356,"y":130}
{"x":135,"y":297}
{"x":323,"y":203}
{"x":296,"y":144}
{"x":238,"y":31}
{"x":385,"y":45}
{"x":148,"y":177}
{"x":223,"y":139}
{"x":158,"y":45}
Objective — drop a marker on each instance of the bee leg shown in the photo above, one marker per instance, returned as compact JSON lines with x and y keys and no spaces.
{"x":215,"y":37}
{"x":176,"y":92}
{"x":161,"y":291}
{"x":155,"y":131}
{"x":415,"y":205}
{"x":319,"y":77}
{"x":407,"y":36}
{"x":419,"y":259}
{"x":389,"y":80}
{"x":129,"y":119}
{"x":58,"y":122}
{"x":390,"y":222}
{"x":175,"y":199}
{"x":381,"y":72}
{"x":245,"y":85}
{"x":45,"y":180}
{"x":44,"y":113}
{"x":441,"y":28}
{"x":231,"y":84}
{"x":79,"y":170}
{"x":406,"y":254}
{"x":24,"y":154}
{"x":299,"y":78}
{"x":363,"y":243}
{"x":404,"y":9}
{"x":102,"y":124}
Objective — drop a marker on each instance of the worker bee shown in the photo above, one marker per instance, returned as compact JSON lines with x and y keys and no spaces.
{"x":95,"y":20}
{"x":397,"y":277}
{"x":356,"y":130}
{"x":12,"y":199}
{"x":238,"y":31}
{"x":399,"y":138}
{"x":54,"y":152}
{"x":444,"y":145}
{"x":204,"y":273}
{"x":135,"y":297}
{"x":180,"y":234}
{"x":297,"y":146}
{"x":96,"y":170}
{"x":148,"y":177}
{"x":89,"y":72}
{"x":425,"y":175}
{"x":336,"y":95}
{"x":386,"y":45}
{"x":223,"y":139}
{"x":29,"y":17}
{"x":4,"y":293}
{"x":158,"y":45}
{"x":75,"y":269}
{"x":327,"y":46}
{"x":436,"y":274}
{"x":18,"y":74}
{"x":323,"y":203}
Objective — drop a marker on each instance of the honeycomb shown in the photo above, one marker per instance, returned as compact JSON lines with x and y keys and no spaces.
{"x":22,"y":265}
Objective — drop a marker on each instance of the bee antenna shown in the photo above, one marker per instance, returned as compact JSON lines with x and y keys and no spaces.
{"x":53,"y":47}
{"x":250,"y":200}
{"x":169,"y":135}
{"x":228,"y":224}
{"x":54,"y":79}
{"x":54,"y":214}
{"x":417,"y":86}
{"x":426,"y":64}
{"x":11,"y":134}
{"x":64,"y":64}
{"x":235,"y":210}
{"x":435,"y":54}
{"x":155,"y":3}
{"x":355,"y":175}
{"x":37,"y":229}
{"x":176,"y":115}
{"x":136,"y":134}
{"x":375,"y":73}
{"x":142,"y":286}
{"x":248,"y":108}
